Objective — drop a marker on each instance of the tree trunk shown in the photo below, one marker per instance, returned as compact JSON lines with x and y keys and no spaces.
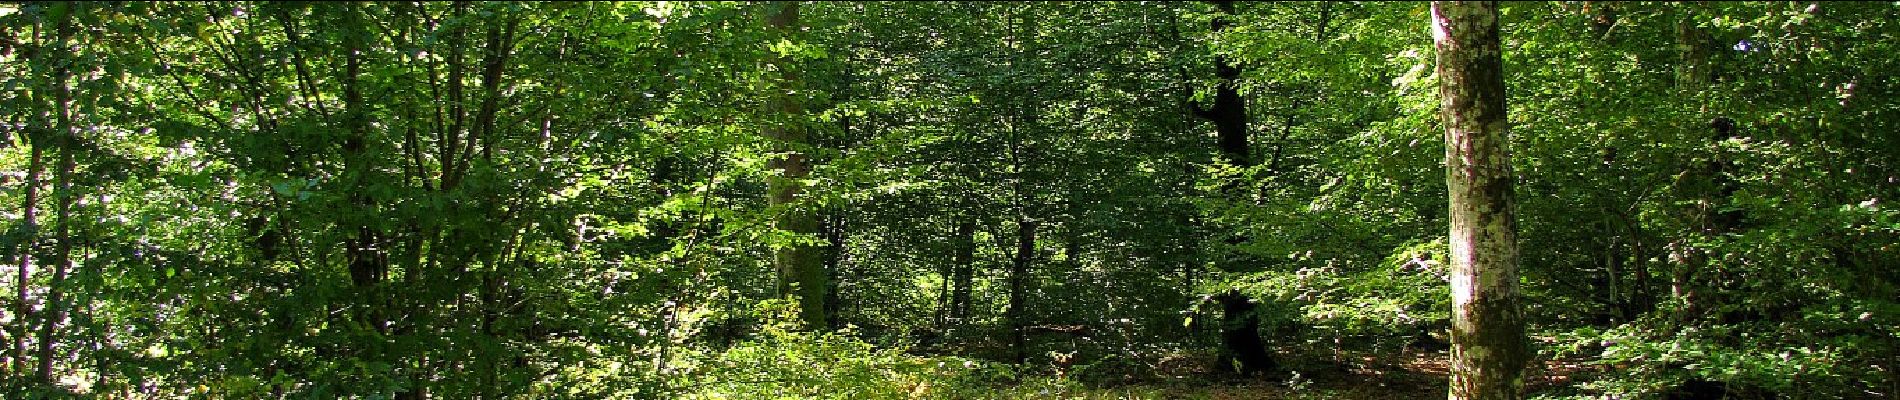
{"x":1241,"y":344}
{"x":29,"y":243}
{"x":1022,"y":117}
{"x":1692,"y":74}
{"x":800,"y":269}
{"x":940,"y":319}
{"x":835,"y":235}
{"x":1613,"y":272}
{"x":1640,"y":299}
{"x":1710,"y":187}
{"x":1018,"y":285}
{"x":1229,"y":113}
{"x":1611,"y":236}
{"x":963,"y":271}
{"x":1489,"y":349}
{"x":958,"y":273}
{"x":365,"y":249}
{"x":55,"y":311}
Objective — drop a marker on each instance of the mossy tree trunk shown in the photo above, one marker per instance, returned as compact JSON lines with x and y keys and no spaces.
{"x":1489,"y":349}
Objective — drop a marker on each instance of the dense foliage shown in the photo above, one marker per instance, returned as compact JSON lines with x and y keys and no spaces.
{"x":923,"y":199}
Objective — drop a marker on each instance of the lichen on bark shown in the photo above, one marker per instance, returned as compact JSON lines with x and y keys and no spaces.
{"x":1489,"y":349}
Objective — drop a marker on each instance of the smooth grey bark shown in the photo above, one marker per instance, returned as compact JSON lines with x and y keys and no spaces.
{"x":1489,"y":349}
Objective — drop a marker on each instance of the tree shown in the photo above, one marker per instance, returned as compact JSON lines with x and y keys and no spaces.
{"x":55,"y":311}
{"x":1229,"y":112}
{"x":26,"y":239}
{"x":1489,"y":349}
{"x":490,"y":200}
{"x":800,"y":266}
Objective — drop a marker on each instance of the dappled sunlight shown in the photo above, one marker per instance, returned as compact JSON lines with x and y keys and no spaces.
{"x":949,"y":200}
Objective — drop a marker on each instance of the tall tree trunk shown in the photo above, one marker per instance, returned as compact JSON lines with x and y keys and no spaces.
{"x":1022,"y":117}
{"x":800,"y":270}
{"x":368,"y":262}
{"x":55,"y":309}
{"x":1692,"y":73}
{"x":1229,"y":113}
{"x":1710,"y":187}
{"x":451,"y":138}
{"x":1611,"y":237}
{"x":1613,"y":273}
{"x":940,"y":319}
{"x":1018,"y":285}
{"x":1489,"y":349}
{"x":963,"y":264}
{"x":29,"y":243}
{"x":833,"y":228}
{"x":1640,"y":297}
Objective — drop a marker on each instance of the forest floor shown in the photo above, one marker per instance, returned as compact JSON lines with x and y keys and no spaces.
{"x":1350,"y":377}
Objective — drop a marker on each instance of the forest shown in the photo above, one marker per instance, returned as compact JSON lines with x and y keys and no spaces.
{"x":949,"y":200}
